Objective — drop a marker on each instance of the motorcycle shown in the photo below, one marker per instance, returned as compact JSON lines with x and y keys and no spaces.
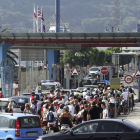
{"x":51,"y":127}
{"x":65,"y":127}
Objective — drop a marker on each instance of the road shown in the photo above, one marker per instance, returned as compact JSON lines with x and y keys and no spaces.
{"x":134,"y":116}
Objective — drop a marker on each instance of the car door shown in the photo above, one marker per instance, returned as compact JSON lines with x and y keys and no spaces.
{"x":110,"y":131}
{"x":4,"y":127}
{"x":84,"y":131}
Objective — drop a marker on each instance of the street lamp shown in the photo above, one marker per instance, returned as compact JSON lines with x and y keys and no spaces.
{"x":112,"y":28}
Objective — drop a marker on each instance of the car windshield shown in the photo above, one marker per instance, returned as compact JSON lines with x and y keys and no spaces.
{"x":29,"y":122}
{"x":48,"y":87}
{"x":3,"y":104}
{"x":94,"y":69}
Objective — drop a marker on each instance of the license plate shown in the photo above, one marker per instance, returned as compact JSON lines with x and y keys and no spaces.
{"x":45,"y":127}
{"x":32,"y":134}
{"x":50,"y":131}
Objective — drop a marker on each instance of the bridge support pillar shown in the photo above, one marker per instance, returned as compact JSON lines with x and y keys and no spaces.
{"x":3,"y":50}
{"x":52,"y":58}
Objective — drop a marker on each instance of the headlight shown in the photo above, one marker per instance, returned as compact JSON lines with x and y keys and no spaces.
{"x":38,"y":139}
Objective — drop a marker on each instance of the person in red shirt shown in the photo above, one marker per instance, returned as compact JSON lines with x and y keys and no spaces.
{"x":91,"y":99}
{"x":32,"y":97}
{"x":1,"y":94}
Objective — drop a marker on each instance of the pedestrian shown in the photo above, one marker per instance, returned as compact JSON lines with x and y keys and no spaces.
{"x":1,"y":94}
{"x":39,"y":106}
{"x":76,"y":107}
{"x":28,"y":109}
{"x":32,"y":97}
{"x":34,"y":106}
{"x":105,"y":111}
{"x":94,"y":112}
{"x":9,"y":108}
{"x":84,"y":113}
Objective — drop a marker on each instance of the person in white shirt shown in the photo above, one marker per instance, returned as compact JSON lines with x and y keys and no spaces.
{"x":87,"y":96}
{"x":105,"y":111}
{"x":71,"y":108}
{"x":124,"y":97}
{"x":84,"y":93}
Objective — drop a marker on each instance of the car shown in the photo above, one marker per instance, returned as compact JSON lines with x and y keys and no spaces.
{"x":37,"y":96}
{"x":100,"y":129}
{"x":4,"y":104}
{"x":18,"y":126}
{"x":94,"y":70}
{"x":21,"y":101}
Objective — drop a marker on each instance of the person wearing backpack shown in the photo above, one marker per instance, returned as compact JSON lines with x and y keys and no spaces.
{"x":1,"y":94}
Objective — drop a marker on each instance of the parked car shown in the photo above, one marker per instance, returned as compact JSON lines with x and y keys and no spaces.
{"x":4,"y":104}
{"x":37,"y":96}
{"x":21,"y":101}
{"x":100,"y":129}
{"x":18,"y":126}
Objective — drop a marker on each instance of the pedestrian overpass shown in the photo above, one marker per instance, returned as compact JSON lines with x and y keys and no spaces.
{"x":64,"y":41}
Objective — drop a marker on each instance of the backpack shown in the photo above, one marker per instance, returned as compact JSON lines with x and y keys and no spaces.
{"x":50,"y":117}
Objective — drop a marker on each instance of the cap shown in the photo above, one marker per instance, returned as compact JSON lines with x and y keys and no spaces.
{"x":51,"y":90}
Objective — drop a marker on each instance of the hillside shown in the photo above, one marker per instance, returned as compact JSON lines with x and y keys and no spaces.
{"x":83,"y":15}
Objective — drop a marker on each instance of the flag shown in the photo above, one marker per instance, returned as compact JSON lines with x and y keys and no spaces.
{"x":44,"y":28}
{"x":39,"y":30}
{"x":42,"y":18}
{"x":35,"y":16}
{"x":39,"y":13}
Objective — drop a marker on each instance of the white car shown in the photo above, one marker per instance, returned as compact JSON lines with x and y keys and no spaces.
{"x":4,"y":104}
{"x":94,"y":70}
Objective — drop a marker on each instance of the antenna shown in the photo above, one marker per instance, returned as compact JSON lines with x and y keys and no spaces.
{"x":117,"y":13}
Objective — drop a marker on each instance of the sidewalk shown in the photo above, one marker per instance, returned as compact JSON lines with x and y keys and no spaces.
{"x":134,"y":116}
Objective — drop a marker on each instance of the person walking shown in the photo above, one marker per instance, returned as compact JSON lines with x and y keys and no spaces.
{"x":94,"y":112}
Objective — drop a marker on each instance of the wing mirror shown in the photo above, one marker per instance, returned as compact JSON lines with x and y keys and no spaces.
{"x":71,"y":132}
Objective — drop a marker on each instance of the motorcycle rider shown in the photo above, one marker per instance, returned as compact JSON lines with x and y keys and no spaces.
{"x":66,"y":117}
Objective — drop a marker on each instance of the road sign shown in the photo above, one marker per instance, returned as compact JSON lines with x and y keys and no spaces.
{"x":104,"y":70}
{"x":128,"y":79}
{"x":137,"y":74}
{"x":88,"y":67}
{"x":75,"y":72}
{"x":115,"y":83}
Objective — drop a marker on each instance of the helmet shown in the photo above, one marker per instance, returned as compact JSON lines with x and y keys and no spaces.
{"x":67,"y":103}
{"x":56,"y":101}
{"x":96,"y":96}
{"x":85,"y":90}
{"x":57,"y":89}
{"x":60,"y":102}
{"x":61,"y":106}
{"x":76,"y":94}
{"x":51,"y":108}
{"x":66,"y":108}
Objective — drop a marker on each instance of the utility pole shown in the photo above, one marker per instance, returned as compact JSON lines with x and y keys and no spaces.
{"x":117,"y":13}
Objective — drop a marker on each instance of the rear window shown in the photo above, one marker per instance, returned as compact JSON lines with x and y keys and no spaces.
{"x":36,"y":96}
{"x":29,"y":122}
{"x":3,"y":104}
{"x":22,"y":100}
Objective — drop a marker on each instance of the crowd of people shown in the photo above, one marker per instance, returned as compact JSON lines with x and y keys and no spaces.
{"x":76,"y":107}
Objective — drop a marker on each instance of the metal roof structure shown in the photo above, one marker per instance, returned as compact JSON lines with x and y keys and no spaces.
{"x":57,"y":41}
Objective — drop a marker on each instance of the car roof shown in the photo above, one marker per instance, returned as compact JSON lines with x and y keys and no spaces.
{"x":17,"y":115}
{"x":19,"y":97}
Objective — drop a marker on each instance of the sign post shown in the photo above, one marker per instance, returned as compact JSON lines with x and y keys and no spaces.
{"x":115,"y":84}
{"x":104,"y":71}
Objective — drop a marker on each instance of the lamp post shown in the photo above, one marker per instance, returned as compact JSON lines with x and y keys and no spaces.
{"x":112,"y":28}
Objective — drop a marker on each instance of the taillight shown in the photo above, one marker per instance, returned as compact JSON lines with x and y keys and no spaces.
{"x":45,"y":123}
{"x":17,"y":131}
{"x":51,"y":125}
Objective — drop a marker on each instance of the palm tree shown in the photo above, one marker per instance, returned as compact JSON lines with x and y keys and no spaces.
{"x":11,"y":55}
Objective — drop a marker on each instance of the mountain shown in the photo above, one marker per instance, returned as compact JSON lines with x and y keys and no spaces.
{"x":82,"y":15}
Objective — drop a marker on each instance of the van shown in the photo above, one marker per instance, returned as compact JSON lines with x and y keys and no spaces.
{"x":18,"y":126}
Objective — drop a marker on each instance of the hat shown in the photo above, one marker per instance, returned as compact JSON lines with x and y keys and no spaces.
{"x":51,"y":90}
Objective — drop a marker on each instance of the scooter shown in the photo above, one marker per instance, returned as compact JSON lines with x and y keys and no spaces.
{"x":65,"y":127}
{"x":51,"y":127}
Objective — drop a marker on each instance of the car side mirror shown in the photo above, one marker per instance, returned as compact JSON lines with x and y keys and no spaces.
{"x":71,"y":132}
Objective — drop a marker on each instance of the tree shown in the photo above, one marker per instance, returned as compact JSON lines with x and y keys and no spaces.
{"x":101,"y":58}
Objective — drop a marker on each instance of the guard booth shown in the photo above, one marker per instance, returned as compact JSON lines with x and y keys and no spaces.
{"x":72,"y":78}
{"x":109,"y":75}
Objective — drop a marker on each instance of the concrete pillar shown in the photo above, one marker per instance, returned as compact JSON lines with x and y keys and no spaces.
{"x":3,"y":50}
{"x":136,"y":63}
{"x":138,"y":95}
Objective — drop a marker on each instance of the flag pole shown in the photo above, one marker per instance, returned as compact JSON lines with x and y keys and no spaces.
{"x":41,"y":21}
{"x":33,"y":19}
{"x":37,"y":19}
